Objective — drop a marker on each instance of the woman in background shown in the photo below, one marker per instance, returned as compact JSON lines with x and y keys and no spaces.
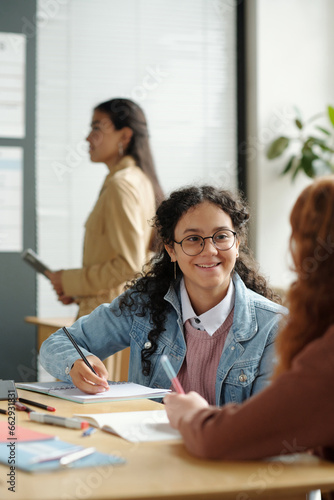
{"x":295,"y":413}
{"x":118,"y":237}
{"x":202,"y":302}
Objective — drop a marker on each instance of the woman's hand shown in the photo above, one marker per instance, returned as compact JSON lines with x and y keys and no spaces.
{"x":85,"y":380}
{"x":64,"y":299}
{"x":55,"y":278}
{"x":178,"y":405}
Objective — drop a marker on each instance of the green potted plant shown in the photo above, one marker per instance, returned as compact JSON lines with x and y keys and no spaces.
{"x":312,"y":146}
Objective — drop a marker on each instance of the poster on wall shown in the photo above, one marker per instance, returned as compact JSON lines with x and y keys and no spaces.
{"x":11,"y":199}
{"x":12,"y":85}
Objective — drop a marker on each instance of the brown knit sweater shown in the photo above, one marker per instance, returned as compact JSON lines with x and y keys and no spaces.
{"x":295,"y":413}
{"x":199,"y":369}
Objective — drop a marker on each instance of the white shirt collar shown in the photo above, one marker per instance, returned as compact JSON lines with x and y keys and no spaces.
{"x":210,"y":320}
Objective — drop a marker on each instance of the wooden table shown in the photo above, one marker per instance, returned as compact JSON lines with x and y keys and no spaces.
{"x":161,"y":470}
{"x":117,"y":365}
{"x":47,"y":326}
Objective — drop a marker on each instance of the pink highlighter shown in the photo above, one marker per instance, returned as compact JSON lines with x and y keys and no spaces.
{"x":171,"y":374}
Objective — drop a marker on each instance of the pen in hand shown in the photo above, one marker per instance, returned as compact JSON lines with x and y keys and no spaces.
{"x":171,"y":374}
{"x":83,"y":357}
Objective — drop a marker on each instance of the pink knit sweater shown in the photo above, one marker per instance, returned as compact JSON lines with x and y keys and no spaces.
{"x":199,"y":369}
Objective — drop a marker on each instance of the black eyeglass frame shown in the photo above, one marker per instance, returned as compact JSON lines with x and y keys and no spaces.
{"x":207,"y":238}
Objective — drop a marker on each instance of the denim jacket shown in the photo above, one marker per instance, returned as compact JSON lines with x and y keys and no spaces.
{"x":245,"y":365}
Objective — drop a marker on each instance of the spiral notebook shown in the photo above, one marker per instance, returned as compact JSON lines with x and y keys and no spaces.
{"x":118,"y":391}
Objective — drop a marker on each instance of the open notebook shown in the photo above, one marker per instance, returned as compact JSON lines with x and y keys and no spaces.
{"x":134,"y":426}
{"x":118,"y":391}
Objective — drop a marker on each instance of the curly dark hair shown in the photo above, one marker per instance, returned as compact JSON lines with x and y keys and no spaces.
{"x":157,"y":280}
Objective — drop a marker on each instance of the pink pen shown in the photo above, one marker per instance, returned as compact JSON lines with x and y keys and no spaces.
{"x":171,"y":374}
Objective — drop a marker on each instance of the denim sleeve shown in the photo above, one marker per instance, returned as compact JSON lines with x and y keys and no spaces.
{"x":102,"y":333}
{"x":268,"y":360}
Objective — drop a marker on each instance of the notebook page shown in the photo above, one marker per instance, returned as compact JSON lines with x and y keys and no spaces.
{"x":135,"y":426}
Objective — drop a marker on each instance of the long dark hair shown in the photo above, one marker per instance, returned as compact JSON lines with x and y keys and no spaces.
{"x":310,"y":297}
{"x":155,"y":283}
{"x":126,"y":113}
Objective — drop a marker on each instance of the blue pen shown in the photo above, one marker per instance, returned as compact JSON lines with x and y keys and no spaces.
{"x":88,"y":431}
{"x":171,"y":374}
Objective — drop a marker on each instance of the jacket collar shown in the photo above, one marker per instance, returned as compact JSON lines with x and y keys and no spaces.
{"x":125,"y":162}
{"x":173,"y":296}
{"x":244,"y":325}
{"x":244,"y":320}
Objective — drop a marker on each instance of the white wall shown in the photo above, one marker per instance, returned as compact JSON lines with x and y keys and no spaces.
{"x":291,"y":44}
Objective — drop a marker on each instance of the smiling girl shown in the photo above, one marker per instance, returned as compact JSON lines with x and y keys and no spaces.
{"x":202,"y":303}
{"x":295,"y":413}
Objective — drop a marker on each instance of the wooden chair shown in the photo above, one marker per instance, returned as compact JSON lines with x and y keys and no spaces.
{"x":118,"y":365}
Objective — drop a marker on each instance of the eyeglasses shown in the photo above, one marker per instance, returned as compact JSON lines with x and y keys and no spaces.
{"x":223,"y":239}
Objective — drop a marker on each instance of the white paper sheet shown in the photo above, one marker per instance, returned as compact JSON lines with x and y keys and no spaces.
{"x":12,"y":84}
{"x":11,"y":199}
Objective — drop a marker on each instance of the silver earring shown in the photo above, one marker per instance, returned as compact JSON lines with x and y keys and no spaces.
{"x":174,"y":270}
{"x":120,"y":149}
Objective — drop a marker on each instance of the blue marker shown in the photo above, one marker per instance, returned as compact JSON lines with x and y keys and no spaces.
{"x":88,"y":431}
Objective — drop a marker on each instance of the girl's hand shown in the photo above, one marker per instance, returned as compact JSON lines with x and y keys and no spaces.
{"x":85,"y":380}
{"x":178,"y":405}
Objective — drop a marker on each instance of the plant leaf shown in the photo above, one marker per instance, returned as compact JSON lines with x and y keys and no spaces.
{"x":324,"y":130}
{"x":306,"y":163}
{"x":322,"y":167}
{"x":331,"y":114}
{"x":319,"y":142}
{"x":297,"y":168}
{"x":298,"y":123}
{"x":277,"y":147}
{"x":298,"y":113}
{"x":288,"y":165}
{"x":315,"y":117}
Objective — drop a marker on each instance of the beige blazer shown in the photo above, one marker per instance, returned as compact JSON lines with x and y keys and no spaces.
{"x":117,"y":237}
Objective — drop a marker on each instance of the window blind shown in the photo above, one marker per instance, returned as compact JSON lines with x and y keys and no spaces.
{"x":176,"y":58}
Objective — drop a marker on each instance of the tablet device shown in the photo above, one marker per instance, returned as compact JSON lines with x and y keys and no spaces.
{"x":32,"y":258}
